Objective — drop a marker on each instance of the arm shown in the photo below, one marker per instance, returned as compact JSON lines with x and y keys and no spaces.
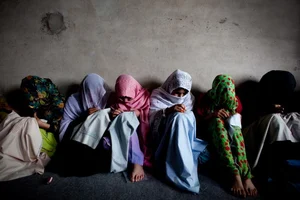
{"x":41,"y":124}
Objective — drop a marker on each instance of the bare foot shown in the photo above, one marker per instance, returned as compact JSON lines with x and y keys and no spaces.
{"x":137,"y":173}
{"x":237,"y":187}
{"x":250,"y":188}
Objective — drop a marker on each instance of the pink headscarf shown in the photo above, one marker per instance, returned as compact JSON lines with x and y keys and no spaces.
{"x":127,"y":86}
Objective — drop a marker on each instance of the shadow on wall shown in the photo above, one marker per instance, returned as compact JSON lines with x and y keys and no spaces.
{"x":16,"y":99}
{"x":296,"y":101}
{"x":72,"y":88}
{"x":151,"y":84}
{"x":248,"y":94}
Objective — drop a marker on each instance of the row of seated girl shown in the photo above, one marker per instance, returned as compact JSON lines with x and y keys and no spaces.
{"x":139,"y":129}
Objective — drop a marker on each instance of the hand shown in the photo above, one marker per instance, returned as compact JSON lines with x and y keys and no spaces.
{"x":176,"y":108}
{"x":277,"y":108}
{"x":41,"y":124}
{"x":92,"y":110}
{"x":115,"y":112}
{"x":137,"y":112}
{"x":222,"y":113}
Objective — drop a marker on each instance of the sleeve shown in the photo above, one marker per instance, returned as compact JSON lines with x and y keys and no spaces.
{"x":239,"y":108}
{"x":201,"y":106}
{"x":69,"y":115}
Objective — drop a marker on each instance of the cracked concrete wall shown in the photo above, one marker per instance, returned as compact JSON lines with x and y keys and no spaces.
{"x":149,"y":39}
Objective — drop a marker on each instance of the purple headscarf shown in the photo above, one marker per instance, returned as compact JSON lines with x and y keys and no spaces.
{"x":94,"y":93}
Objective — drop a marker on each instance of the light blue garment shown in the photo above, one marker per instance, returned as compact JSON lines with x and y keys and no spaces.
{"x":92,"y":129}
{"x":179,"y":150}
{"x":123,"y":140}
{"x":121,"y":128}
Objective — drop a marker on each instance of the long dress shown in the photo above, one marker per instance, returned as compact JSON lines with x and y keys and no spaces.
{"x":20,"y":148}
{"x":174,"y":136}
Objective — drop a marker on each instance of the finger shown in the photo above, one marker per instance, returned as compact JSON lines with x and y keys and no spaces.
{"x":181,"y":106}
{"x":119,"y":110}
{"x":224,"y":114}
{"x":178,"y":109}
{"x":221,"y":115}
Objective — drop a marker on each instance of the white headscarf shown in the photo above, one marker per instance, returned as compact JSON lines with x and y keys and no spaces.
{"x":162,"y":98}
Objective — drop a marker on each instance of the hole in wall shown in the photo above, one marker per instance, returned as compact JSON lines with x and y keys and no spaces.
{"x":53,"y":23}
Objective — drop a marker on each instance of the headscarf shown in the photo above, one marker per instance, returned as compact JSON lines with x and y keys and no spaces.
{"x":44,"y":98}
{"x":222,"y":94}
{"x":127,"y":86}
{"x":277,"y":87}
{"x":94,"y":93}
{"x":40,"y":92}
{"x":162,"y":98}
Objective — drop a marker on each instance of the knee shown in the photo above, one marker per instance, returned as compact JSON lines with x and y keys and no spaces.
{"x":275,"y":117}
{"x":216,"y":120}
{"x":178,"y":116}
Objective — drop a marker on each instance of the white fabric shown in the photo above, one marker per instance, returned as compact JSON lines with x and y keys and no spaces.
{"x":292,"y":121}
{"x":234,"y":121}
{"x":268,"y":129}
{"x":20,"y":146}
{"x":92,"y":129}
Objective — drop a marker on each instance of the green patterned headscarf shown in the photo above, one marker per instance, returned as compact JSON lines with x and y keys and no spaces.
{"x":223,"y":94}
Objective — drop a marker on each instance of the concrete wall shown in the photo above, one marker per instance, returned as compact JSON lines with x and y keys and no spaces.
{"x":149,"y":39}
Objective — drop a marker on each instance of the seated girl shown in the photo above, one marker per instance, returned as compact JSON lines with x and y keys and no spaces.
{"x":106,"y":130}
{"x":93,"y":96}
{"x":133,"y":98}
{"x":277,"y":120}
{"x":173,"y":127}
{"x":46,"y":104}
{"x":219,"y":116}
{"x":19,"y":157}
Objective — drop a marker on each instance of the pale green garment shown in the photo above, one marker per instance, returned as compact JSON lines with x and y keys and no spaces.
{"x":120,"y":129}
